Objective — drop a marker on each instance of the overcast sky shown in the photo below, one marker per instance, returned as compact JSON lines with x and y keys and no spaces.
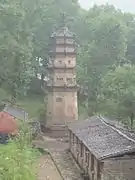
{"x":126,"y":5}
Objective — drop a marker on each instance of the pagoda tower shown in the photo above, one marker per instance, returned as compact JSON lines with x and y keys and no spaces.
{"x":62,"y":105}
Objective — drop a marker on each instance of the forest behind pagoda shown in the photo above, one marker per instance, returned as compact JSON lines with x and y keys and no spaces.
{"x":106,"y":53}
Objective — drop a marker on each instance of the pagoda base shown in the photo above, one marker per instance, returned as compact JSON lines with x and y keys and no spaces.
{"x":57,"y":131}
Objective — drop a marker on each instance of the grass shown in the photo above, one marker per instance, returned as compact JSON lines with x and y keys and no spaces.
{"x":31,"y":104}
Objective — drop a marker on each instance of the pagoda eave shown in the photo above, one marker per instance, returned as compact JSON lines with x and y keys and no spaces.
{"x":65,"y":44}
{"x":62,"y":86}
{"x":62,"y":53}
{"x":60,"y":68}
{"x":62,"y":37}
{"x":62,"y":89}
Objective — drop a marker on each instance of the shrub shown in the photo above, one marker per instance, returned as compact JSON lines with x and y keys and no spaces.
{"x":17,"y":159}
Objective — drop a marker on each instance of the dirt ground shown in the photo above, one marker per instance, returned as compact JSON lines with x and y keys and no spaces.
{"x":47,"y":169}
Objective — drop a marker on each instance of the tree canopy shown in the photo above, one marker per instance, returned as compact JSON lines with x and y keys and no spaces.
{"x":119,"y":91}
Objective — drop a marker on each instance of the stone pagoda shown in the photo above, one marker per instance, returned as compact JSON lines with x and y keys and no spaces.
{"x":62,"y":105}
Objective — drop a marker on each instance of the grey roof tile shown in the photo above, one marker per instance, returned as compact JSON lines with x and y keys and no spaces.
{"x":16,"y":112}
{"x":104,"y":140}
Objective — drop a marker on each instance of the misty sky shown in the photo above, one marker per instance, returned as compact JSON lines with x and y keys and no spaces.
{"x":126,"y":5}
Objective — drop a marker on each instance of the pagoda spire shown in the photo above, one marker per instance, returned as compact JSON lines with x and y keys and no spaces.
{"x":63,"y":20}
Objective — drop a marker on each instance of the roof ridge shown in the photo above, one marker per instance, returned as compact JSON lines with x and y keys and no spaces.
{"x":102,"y":119}
{"x":15,"y":107}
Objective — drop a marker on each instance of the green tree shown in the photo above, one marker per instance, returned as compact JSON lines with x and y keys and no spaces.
{"x":119,"y":91}
{"x":15,"y":47}
{"x":25,"y":28}
{"x":103,"y":46}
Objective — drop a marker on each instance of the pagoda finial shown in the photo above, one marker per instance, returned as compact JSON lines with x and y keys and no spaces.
{"x":63,"y":19}
{"x":62,"y":30}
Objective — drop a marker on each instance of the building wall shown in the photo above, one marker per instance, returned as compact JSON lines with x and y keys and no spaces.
{"x":85,"y":159}
{"x":119,"y":169}
{"x":64,"y":61}
{"x":62,"y":108}
{"x":67,"y":78}
{"x":114,"y":169}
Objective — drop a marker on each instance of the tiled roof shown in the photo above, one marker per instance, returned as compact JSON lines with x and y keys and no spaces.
{"x":16,"y":112}
{"x":64,"y":31}
{"x":102,"y":138}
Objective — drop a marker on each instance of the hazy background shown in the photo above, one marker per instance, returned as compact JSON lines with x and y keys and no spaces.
{"x":125,"y":5}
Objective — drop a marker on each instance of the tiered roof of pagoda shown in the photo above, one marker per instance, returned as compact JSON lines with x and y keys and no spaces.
{"x":63,"y":38}
{"x":63,"y":44}
{"x":63,"y":32}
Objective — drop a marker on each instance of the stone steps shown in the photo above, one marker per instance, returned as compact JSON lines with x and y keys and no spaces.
{"x":57,"y":132}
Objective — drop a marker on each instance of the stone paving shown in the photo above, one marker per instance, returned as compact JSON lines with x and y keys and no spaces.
{"x":61,"y":157}
{"x":47,"y":169}
{"x":68,"y":168}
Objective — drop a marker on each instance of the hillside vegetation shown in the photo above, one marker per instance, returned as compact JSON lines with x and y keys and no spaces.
{"x":105,"y":61}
